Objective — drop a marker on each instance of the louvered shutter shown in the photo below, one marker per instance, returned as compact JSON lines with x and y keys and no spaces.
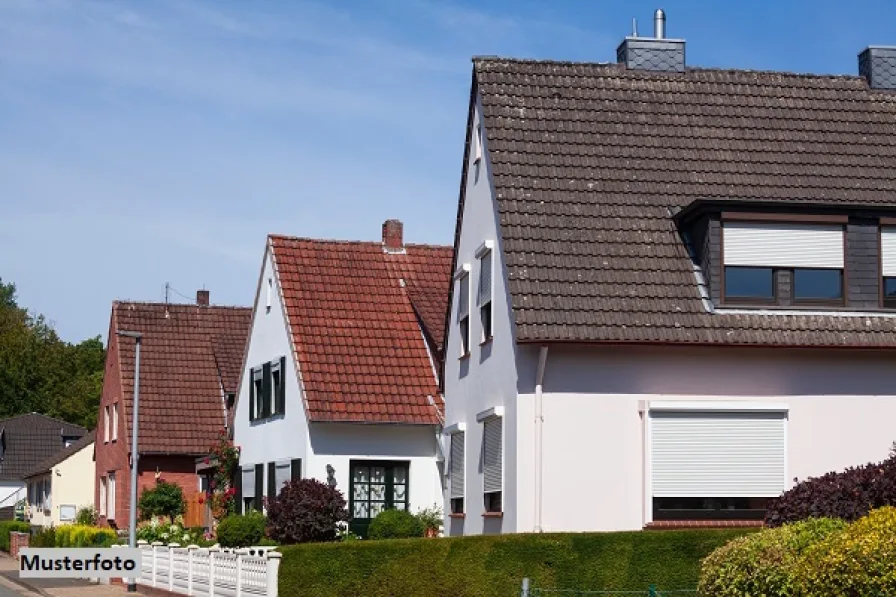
{"x":888,"y":251}
{"x":457,"y":464}
{"x":273,"y":489}
{"x":492,"y":455}
{"x":259,"y":487}
{"x":718,"y":454}
{"x":280,"y":406}
{"x":266,"y":388}
{"x":485,"y":279}
{"x":783,"y":245}
{"x":295,"y":469}
{"x":252,"y":397}
{"x":463,"y":301}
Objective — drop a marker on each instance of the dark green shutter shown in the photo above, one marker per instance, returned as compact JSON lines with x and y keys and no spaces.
{"x":272,"y":481}
{"x":238,"y":487}
{"x":295,"y":469}
{"x":280,"y":407}
{"x":259,"y":486}
{"x":252,"y":394}
{"x":266,"y":390}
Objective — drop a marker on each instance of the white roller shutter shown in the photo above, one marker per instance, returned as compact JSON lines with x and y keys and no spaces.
{"x":457,"y":464}
{"x":783,"y":245}
{"x":282,"y":474}
{"x":485,"y":279}
{"x":492,"y":454}
{"x":248,"y":474}
{"x":718,"y":454}
{"x":888,"y":251}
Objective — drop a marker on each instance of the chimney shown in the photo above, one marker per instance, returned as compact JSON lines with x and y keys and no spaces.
{"x":202,"y":298}
{"x":652,"y":53}
{"x":393,"y":236}
{"x":878,"y":65}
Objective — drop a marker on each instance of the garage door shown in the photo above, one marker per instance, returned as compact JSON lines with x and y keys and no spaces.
{"x":718,"y":454}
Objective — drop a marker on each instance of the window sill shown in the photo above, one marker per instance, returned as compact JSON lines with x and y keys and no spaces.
{"x":466,"y":355}
{"x":492,"y":515}
{"x":487,"y":341}
{"x":458,"y":515}
{"x":702,"y":524}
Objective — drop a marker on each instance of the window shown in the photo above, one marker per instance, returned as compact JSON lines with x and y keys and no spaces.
{"x":47,"y":491}
{"x":248,"y":479}
{"x":463,"y":312}
{"x":709,"y":508}
{"x":282,"y":474}
{"x":267,"y":390}
{"x":256,"y":393}
{"x":492,"y":463}
{"x":888,"y":265}
{"x":750,"y":283}
{"x":477,"y":144}
{"x":270,"y":291}
{"x":484,"y":296}
{"x":106,"y":425}
{"x":456,"y":475}
{"x":817,"y":285}
{"x":890,"y":292}
{"x":374,"y":487}
{"x":278,"y":385}
{"x":110,"y":507}
{"x":103,"y":493}
{"x":115,"y":421}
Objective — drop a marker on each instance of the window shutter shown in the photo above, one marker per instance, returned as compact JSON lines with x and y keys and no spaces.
{"x":457,"y":464}
{"x":888,"y":251}
{"x":492,"y":457}
{"x":272,"y":480}
{"x":248,"y":481}
{"x":282,"y":473}
{"x":463,"y":301}
{"x":783,"y":245}
{"x":252,"y":397}
{"x":281,"y":391}
{"x":238,"y":490}
{"x":485,"y":278}
{"x":259,"y":486}
{"x":266,"y":390}
{"x":296,"y":469}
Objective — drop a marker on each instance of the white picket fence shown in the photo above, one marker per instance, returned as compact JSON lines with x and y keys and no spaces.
{"x":209,"y":572}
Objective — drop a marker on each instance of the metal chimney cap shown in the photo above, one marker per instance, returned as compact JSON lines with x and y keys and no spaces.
{"x":659,"y":24}
{"x":659,"y":14}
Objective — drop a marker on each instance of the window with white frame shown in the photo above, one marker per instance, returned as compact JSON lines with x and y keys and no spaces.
{"x":492,"y":463}
{"x":248,"y":479}
{"x":115,"y":421}
{"x":48,"y":494}
{"x":106,"y":423}
{"x":103,"y":495}
{"x":456,"y":476}
{"x":484,"y":295}
{"x":110,"y":507}
{"x":463,"y":310}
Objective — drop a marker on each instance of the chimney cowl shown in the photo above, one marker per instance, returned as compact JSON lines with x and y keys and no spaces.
{"x":202,"y":298}
{"x":656,"y":53}
{"x":877,"y":64}
{"x":393,"y":236}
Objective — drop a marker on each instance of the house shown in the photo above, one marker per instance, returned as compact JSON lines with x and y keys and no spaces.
{"x":189,"y":365}
{"x":25,"y":440}
{"x":61,"y":484}
{"x":339,"y":380}
{"x":673,"y":290}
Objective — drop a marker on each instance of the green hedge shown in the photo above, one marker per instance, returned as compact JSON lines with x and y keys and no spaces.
{"x":495,"y":565}
{"x":8,"y":526}
{"x":77,"y":535}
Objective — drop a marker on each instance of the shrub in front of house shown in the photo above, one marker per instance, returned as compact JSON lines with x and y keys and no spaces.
{"x":86,"y":515}
{"x":848,"y":494}
{"x":859,"y":560}
{"x":161,"y":529}
{"x":765,"y":563}
{"x":78,"y":535}
{"x":241,"y":530}
{"x":395,"y":524}
{"x":306,"y":510}
{"x":43,"y":538}
{"x":165,"y":499}
{"x":9,"y":526}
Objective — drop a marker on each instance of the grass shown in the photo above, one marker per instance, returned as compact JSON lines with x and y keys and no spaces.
{"x":493,"y":566}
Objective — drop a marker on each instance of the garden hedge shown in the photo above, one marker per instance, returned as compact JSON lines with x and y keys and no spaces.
{"x":8,"y":526}
{"x":480,"y":566}
{"x":78,"y":535}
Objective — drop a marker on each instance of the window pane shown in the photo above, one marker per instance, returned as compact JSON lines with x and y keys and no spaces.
{"x":890,"y":287}
{"x":749,"y":282}
{"x":818,"y":284}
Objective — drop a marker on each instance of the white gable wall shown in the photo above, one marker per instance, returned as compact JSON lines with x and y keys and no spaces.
{"x":486,"y":378}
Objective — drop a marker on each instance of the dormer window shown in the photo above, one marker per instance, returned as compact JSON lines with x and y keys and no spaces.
{"x":888,"y":265}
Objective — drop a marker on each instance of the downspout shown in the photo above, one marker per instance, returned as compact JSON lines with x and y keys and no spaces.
{"x":539,"y":435}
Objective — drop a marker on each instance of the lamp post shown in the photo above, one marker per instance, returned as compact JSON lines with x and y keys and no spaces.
{"x":132,"y":513}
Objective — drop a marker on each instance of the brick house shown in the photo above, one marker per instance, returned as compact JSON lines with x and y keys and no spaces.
{"x":189,"y":367}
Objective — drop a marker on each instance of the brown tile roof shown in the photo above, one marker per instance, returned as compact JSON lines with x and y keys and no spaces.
{"x":190,"y":354}
{"x":589,"y":162}
{"x":48,"y":463}
{"x":29,"y":439}
{"x":358,"y":342}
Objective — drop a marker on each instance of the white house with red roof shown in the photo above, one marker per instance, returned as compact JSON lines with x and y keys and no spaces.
{"x":340,"y":377}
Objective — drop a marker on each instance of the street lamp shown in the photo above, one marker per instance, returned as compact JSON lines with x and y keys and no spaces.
{"x":132,"y":514}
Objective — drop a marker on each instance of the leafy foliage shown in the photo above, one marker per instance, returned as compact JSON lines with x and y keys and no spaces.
{"x":241,"y":530}
{"x":221,"y":494}
{"x":306,"y":510}
{"x":431,"y":518}
{"x":43,"y":538}
{"x":9,"y":526}
{"x":78,"y":535}
{"x":476,"y":566}
{"x":39,"y":372}
{"x":766,"y":563}
{"x":86,"y":515}
{"x":395,"y":524}
{"x":167,"y":531}
{"x":165,"y":499}
{"x":849,"y":494}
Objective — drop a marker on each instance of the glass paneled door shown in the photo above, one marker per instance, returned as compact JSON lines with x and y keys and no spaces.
{"x":375,"y":486}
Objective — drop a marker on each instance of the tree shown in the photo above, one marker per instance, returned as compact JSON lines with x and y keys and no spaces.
{"x":165,"y":499}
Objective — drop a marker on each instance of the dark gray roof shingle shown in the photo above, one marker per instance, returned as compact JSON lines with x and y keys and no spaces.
{"x":29,"y":439}
{"x":590,"y":161}
{"x":48,"y":463}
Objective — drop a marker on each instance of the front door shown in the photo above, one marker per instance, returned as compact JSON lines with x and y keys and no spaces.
{"x":376,"y":486}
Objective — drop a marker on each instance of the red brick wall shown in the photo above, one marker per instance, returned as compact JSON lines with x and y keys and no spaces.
{"x":16,"y":542}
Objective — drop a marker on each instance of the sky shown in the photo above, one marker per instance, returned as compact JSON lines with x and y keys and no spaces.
{"x":159,"y":141}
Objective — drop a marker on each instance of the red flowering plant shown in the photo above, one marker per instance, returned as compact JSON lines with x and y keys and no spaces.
{"x":224,"y":458}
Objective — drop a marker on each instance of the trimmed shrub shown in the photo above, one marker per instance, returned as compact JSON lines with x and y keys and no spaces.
{"x":43,"y":538}
{"x":860,"y":560}
{"x":306,"y":510}
{"x":849,"y":494}
{"x":766,"y":563}
{"x":241,"y":530}
{"x":395,"y":524}
{"x":86,"y":515}
{"x":8,"y":526}
{"x":477,"y":566}
{"x":165,"y":499}
{"x":77,"y":535}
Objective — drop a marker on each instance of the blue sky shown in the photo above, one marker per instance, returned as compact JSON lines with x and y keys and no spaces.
{"x":160,"y":141}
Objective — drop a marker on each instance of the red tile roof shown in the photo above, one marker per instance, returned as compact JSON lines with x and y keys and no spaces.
{"x":353,"y":311}
{"x":189,"y":357}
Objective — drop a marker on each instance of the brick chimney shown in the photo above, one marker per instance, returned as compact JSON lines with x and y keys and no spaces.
{"x":202,"y":298}
{"x":393,"y":236}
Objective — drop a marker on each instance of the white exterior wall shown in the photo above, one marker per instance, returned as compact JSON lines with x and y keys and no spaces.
{"x":487,"y":377}
{"x":72,"y":483}
{"x":841,"y":411}
{"x":34,"y":515}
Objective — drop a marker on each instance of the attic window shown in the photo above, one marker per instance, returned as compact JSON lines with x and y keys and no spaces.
{"x":463,"y":309}
{"x":484,"y":295}
{"x":888,"y":265}
{"x":477,"y":145}
{"x":270,"y":291}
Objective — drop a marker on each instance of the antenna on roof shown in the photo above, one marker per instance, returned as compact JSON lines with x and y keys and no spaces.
{"x":634,"y":27}
{"x":167,"y":290}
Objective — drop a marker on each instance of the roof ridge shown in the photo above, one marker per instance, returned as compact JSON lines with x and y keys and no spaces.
{"x":118,"y":302}
{"x":35,"y":413}
{"x":373,"y":243}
